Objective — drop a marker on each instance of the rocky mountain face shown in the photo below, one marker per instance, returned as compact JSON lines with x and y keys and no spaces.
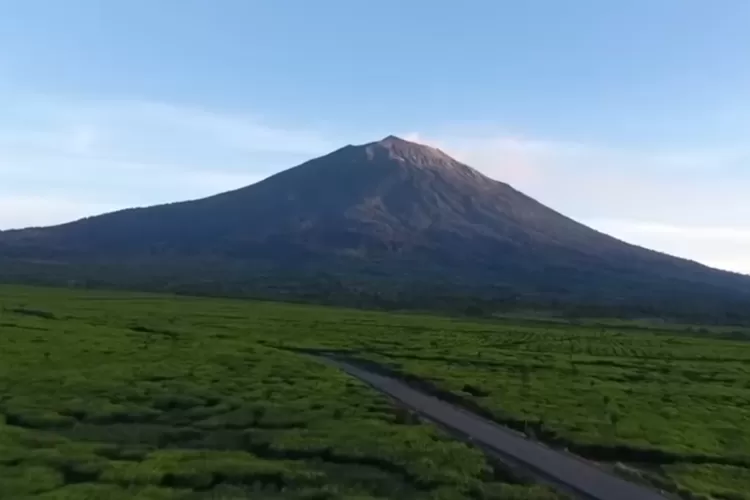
{"x":385,"y":215}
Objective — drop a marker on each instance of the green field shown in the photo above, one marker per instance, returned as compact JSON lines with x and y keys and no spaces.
{"x":113,"y":395}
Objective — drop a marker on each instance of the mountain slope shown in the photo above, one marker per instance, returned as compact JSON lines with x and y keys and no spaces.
{"x":391,"y":210}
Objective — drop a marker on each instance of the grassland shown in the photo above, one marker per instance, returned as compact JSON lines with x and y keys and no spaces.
{"x":108,"y":395}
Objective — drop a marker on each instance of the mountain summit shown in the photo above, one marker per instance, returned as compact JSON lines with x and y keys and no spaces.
{"x":380,"y":218}
{"x":410,"y":153}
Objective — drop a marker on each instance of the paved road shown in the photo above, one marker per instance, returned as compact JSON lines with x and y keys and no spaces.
{"x":585,"y":479}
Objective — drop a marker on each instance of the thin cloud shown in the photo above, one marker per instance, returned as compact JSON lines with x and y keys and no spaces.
{"x":718,"y":246}
{"x":687,"y":203}
{"x":152,"y":132}
{"x":33,"y":211}
{"x":713,"y":233}
{"x":84,"y":156}
{"x":593,"y":181}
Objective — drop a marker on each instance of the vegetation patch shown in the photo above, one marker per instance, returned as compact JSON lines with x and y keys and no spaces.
{"x":175,"y":398}
{"x":158,"y":397}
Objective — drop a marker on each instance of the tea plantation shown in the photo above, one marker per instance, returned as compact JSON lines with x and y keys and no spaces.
{"x":121,"y":395}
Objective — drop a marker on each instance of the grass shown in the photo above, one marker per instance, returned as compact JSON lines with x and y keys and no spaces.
{"x":115,"y":395}
{"x":135,"y":396}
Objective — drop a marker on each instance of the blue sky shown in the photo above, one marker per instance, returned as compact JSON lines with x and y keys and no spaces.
{"x":633,"y":117}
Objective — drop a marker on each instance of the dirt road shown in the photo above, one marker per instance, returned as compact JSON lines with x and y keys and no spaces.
{"x":575,"y":475}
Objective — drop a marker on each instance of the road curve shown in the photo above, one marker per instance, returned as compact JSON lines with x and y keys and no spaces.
{"x":580,"y":477}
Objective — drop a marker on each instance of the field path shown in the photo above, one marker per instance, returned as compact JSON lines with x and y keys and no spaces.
{"x":575,"y":475}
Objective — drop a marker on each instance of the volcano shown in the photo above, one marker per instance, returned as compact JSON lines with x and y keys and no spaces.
{"x":383,"y":220}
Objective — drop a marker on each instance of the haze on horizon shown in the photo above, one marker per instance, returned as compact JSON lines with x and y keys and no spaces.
{"x":630,"y":117}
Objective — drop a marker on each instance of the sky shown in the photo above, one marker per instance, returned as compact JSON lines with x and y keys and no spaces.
{"x":632,"y":117}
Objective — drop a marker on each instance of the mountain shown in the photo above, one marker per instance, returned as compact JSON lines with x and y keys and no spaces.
{"x":389,"y":220}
